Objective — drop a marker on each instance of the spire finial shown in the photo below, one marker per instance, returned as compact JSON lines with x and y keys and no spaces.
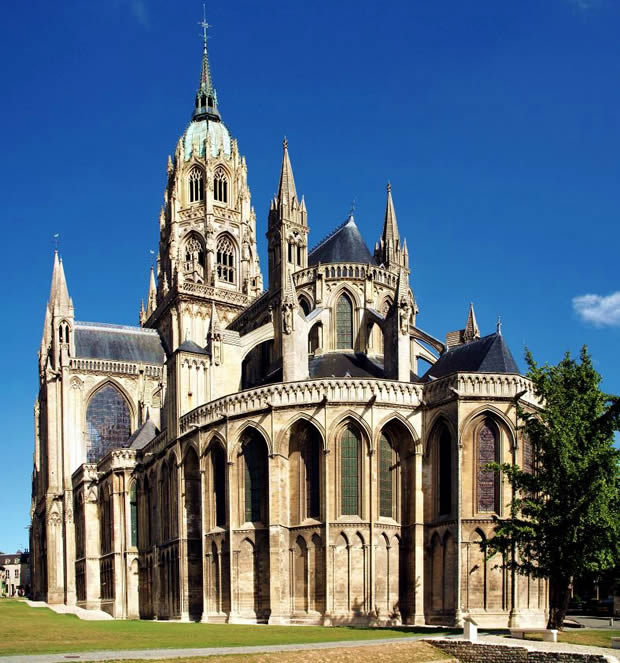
{"x":285,"y":143}
{"x":389,"y":186}
{"x":206,"y":96}
{"x":499,"y":325}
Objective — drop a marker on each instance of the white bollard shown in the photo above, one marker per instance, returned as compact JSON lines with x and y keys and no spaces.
{"x":470,"y":629}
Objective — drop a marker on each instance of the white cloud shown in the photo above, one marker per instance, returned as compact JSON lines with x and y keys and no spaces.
{"x":140,"y":12}
{"x":599,"y":310}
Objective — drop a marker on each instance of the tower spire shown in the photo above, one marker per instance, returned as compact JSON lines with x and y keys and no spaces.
{"x":390,"y":228}
{"x":471,"y":331}
{"x":286,"y":189}
{"x":389,"y":251}
{"x":206,"y":96}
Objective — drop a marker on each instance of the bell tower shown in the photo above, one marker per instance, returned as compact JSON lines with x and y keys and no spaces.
{"x":207,"y":248}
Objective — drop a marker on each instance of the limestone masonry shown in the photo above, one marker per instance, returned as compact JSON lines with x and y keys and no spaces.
{"x":272,"y":455}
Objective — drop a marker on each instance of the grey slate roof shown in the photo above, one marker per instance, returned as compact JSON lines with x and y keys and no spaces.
{"x":143,"y":435}
{"x":190,"y":346}
{"x":340,"y":364}
{"x":489,"y":354}
{"x":345,"y":244}
{"x":97,"y":340}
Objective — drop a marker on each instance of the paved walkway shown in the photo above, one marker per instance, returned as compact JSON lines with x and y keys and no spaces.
{"x":152,"y":654}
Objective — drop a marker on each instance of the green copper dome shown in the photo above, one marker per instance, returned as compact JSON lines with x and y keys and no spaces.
{"x":195,"y":138}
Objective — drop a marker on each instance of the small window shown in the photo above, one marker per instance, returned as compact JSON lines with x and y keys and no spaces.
{"x":299,"y":255}
{"x":349,"y":471}
{"x":196,"y":185}
{"x":290,"y":252}
{"x":220,"y":186}
{"x":225,"y":257}
{"x":133,"y":503}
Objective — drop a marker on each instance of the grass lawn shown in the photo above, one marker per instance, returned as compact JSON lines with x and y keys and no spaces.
{"x":583,"y":636}
{"x":40,"y":630}
{"x":412,"y":652}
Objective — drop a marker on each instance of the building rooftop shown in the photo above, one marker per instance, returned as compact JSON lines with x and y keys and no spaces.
{"x":345,"y":244}
{"x":97,"y":340}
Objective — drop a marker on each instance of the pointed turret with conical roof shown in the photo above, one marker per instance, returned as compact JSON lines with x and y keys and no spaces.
{"x":389,"y":251}
{"x":59,"y":316}
{"x":471,"y":331}
{"x":288,"y":227}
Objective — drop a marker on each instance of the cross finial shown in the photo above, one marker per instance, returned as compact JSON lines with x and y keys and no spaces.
{"x":285,"y":143}
{"x":352,"y":208}
{"x":56,"y":236}
{"x":204,"y":25}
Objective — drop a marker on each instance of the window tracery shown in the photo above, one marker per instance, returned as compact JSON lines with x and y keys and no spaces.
{"x":220,"y":186}
{"x":386,"y":478}
{"x":225,"y":258}
{"x":196,"y":183}
{"x":108,"y":422}
{"x":194,"y":259}
{"x":487,"y":480}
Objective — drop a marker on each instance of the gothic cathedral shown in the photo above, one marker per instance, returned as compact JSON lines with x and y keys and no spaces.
{"x":272,"y":454}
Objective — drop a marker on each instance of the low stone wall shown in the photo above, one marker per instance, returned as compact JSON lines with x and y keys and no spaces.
{"x":470,"y":652}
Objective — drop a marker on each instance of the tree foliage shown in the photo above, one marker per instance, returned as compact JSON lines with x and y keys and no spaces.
{"x":565,"y":518}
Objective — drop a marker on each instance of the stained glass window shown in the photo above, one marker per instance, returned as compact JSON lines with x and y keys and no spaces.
{"x":225,"y":252}
{"x":386,"y":481}
{"x":196,"y":185}
{"x":218,"y":460}
{"x":487,"y":479}
{"x":349,"y":471}
{"x":108,"y":422}
{"x":220,"y":186}
{"x":528,"y":455}
{"x":344,"y":323}
{"x":445,"y":472}
{"x":255,"y":478}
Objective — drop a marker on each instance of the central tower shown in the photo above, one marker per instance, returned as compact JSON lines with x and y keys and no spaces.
{"x":207,"y":259}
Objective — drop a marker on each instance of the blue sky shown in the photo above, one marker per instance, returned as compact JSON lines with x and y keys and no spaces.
{"x":496,"y":122}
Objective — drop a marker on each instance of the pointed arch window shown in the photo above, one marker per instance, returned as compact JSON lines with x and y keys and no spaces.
{"x":344,"y":323}
{"x":487,"y":480}
{"x":445,"y":472}
{"x":194,"y":259}
{"x":225,"y":258}
{"x":387,"y":464}
{"x":218,"y":468}
{"x":220,"y":186}
{"x":255,"y":480}
{"x":196,"y":183}
{"x":133,"y":509}
{"x":349,"y":471}
{"x":108,"y":422}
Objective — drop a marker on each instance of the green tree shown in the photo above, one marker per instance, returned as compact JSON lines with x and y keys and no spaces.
{"x":564,"y":514}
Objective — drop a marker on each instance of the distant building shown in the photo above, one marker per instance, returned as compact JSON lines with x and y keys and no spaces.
{"x":274,"y":455}
{"x":15,"y":574}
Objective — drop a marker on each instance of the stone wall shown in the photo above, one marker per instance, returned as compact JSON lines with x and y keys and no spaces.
{"x":469,"y":652}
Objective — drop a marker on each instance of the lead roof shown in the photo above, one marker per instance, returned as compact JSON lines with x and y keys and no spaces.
{"x":490,"y":354}
{"x":345,"y":244}
{"x":97,"y":340}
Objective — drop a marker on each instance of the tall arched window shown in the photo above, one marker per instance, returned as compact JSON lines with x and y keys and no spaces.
{"x":194,"y":257}
{"x":445,"y":472}
{"x":220,"y":186}
{"x":344,"y":323}
{"x":487,"y":480}
{"x":255,"y":480}
{"x":108,"y":422}
{"x":218,"y":469}
{"x":196,"y":182}
{"x":225,"y":257}
{"x":133,"y":509}
{"x":386,"y":478}
{"x":349,"y":471}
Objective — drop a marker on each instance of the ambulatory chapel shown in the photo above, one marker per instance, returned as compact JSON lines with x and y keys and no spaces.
{"x":290,"y":451}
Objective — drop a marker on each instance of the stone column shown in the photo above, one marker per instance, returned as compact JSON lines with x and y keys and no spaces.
{"x":276,"y":542}
{"x":418,"y":542}
{"x":92,"y":552}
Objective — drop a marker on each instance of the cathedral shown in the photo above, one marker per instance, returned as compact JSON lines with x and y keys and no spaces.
{"x":273,"y":452}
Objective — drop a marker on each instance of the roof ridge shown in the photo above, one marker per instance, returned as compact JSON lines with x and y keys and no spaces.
{"x":331,"y":234}
{"x":109,"y":326}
